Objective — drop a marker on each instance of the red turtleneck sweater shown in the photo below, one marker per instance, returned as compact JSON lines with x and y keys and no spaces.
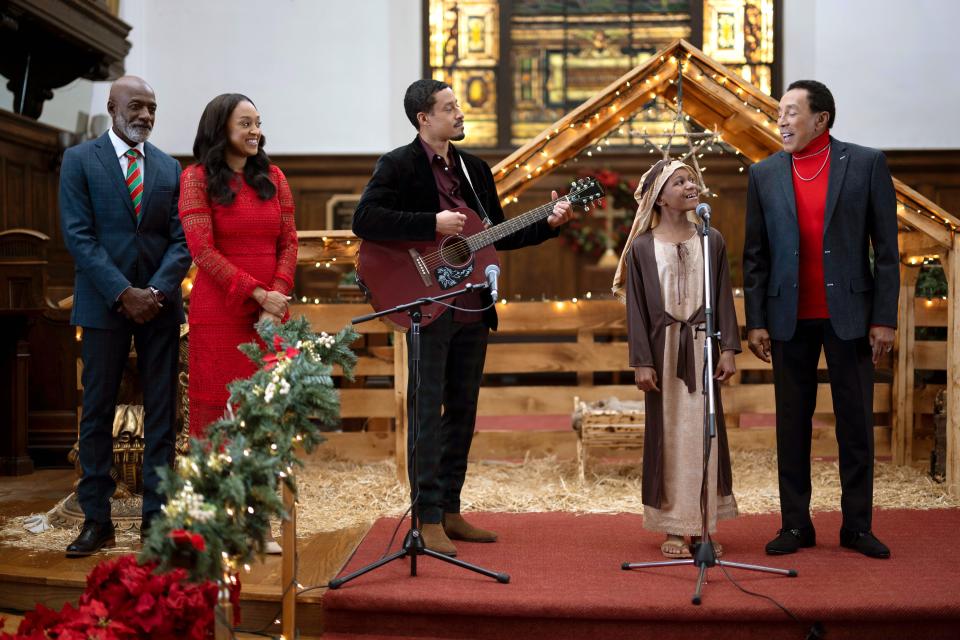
{"x":811,"y":175}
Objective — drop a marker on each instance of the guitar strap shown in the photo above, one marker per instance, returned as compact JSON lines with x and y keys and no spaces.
{"x":483,"y":213}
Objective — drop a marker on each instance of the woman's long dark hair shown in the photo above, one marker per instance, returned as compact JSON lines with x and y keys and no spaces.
{"x":210,"y":146}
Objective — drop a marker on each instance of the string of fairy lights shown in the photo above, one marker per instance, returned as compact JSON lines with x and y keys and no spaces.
{"x":619,"y":122}
{"x":613,"y":111}
{"x":540,"y":158}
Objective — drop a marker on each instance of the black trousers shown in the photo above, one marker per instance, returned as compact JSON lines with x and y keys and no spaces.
{"x":851,"y":385}
{"x":105,"y":354}
{"x":451,"y":367}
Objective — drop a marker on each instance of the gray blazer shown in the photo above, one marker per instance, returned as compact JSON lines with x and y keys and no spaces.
{"x":112,"y":249}
{"x":861,"y":212}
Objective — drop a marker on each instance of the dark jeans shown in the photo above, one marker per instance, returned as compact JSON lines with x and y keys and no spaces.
{"x":451,"y":367}
{"x":105,"y":354}
{"x":851,"y":385}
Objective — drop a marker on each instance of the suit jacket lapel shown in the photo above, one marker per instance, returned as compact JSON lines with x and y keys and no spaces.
{"x":784,"y":175}
{"x":150,"y":176}
{"x":108,"y":157}
{"x":838,"y":169}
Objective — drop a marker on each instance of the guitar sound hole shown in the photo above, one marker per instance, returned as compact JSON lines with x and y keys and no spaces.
{"x":455,"y":251}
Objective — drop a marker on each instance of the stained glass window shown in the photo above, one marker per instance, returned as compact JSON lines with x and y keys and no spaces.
{"x":740,"y":34}
{"x":464,"y":52}
{"x":556,"y":54}
{"x":564,"y":52}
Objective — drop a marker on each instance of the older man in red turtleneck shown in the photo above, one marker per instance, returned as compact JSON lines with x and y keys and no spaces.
{"x":813,"y":213}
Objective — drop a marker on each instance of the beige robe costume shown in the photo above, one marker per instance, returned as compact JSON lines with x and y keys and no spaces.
{"x":664,"y":294}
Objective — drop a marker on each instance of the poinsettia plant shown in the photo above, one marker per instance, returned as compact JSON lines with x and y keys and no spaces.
{"x":127,"y":600}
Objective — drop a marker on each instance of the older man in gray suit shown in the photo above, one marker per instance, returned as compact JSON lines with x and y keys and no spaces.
{"x":813,"y":213}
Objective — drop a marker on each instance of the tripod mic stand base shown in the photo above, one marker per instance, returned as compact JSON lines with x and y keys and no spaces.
{"x":413,"y":547}
{"x":703,"y":559}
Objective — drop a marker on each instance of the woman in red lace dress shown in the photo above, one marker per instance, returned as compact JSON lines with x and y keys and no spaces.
{"x":237,"y":213}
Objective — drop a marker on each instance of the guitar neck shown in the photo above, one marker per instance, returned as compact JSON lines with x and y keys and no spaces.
{"x":502,"y":230}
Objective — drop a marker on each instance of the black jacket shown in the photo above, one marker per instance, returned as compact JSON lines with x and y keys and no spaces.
{"x":401,"y":202}
{"x":861,"y":212}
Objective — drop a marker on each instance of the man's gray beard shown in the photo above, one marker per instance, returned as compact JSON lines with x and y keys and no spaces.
{"x":136,"y":133}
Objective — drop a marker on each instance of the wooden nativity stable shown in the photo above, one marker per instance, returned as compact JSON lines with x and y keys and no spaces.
{"x":720,"y":102}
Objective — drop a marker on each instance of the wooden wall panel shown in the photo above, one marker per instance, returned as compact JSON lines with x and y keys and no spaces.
{"x":29,"y":155}
{"x":15,"y":177}
{"x":553,"y":269}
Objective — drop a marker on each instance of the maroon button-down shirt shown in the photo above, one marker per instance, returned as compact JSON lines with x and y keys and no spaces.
{"x":451,"y":197}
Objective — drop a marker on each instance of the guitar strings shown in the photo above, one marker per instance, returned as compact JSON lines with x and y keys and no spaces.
{"x":435,"y":259}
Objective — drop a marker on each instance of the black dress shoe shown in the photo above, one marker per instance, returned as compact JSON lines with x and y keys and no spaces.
{"x":93,"y":537}
{"x":789,"y":540}
{"x":864,"y":542}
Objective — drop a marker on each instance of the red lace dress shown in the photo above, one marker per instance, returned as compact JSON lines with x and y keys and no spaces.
{"x":248,"y":244}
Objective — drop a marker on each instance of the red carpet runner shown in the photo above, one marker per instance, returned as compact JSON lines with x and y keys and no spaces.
{"x":566,"y":582}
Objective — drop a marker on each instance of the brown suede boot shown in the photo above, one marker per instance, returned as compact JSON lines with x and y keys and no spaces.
{"x":459,"y":529}
{"x":435,"y":539}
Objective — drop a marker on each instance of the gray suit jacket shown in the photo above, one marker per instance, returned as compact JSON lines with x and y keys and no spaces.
{"x":112,"y":249}
{"x":861,"y":212}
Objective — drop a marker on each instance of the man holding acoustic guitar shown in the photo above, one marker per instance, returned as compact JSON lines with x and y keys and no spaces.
{"x":420,"y":195}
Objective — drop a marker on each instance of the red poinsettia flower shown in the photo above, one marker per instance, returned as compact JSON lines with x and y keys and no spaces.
{"x":35,"y":622}
{"x":182,"y":538}
{"x":125,"y":600}
{"x":156,"y":617}
{"x":145,"y":603}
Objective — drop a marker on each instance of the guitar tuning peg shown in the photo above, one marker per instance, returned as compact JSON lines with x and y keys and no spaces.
{"x":586,"y":207}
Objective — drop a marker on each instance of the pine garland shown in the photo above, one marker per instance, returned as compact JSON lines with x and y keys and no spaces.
{"x":224,"y":493}
{"x":932,"y":281}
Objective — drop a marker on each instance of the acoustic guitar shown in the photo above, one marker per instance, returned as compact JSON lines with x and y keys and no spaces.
{"x":396,"y":272}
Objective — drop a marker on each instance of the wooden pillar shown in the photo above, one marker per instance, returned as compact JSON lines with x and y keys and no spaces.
{"x":223,"y":622}
{"x":223,"y":613}
{"x":903,"y":368}
{"x":14,"y":396}
{"x":952,"y":270}
{"x":400,"y":391}
{"x":288,"y":565}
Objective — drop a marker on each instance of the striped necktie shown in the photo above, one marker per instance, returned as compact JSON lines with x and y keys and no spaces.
{"x":134,"y":179}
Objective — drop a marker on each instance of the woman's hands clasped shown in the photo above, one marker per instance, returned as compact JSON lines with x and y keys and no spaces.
{"x":273,"y":304}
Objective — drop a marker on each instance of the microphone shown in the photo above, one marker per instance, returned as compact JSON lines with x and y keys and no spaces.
{"x":703,"y":211}
{"x":492,"y":271}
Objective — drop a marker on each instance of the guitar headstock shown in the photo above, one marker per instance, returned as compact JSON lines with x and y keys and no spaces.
{"x":585,"y":192}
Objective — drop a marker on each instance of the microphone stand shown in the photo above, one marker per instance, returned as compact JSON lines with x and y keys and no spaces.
{"x":704,"y":555}
{"x":413,"y":545}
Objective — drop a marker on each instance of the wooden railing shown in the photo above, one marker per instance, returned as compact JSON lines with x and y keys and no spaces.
{"x":552,"y":352}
